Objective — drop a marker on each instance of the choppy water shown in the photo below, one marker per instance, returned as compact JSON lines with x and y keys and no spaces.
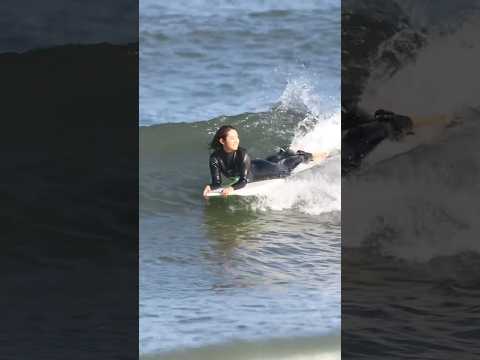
{"x":202,"y":59}
{"x":247,"y":277}
{"x":236,"y":269}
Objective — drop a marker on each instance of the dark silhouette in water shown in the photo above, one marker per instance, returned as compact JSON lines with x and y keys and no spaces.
{"x":70,"y":190}
{"x":362,"y":133}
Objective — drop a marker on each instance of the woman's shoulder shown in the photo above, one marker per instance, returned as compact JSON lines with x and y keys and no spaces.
{"x":242,"y":151}
{"x":216,"y":155}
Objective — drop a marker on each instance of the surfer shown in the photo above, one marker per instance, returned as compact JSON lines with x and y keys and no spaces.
{"x":361,"y":133}
{"x":232,"y":161}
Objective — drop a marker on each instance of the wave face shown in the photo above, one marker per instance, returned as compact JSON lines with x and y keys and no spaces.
{"x":241,"y":270}
{"x":179,"y":151}
{"x":199,"y":59}
{"x":251,"y":278}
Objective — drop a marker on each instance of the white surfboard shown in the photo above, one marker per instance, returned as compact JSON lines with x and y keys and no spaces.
{"x":264,"y":186}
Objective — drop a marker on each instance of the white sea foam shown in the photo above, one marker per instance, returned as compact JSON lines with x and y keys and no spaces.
{"x":316,"y":191}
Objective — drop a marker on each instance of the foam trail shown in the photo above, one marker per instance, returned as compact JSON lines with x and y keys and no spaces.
{"x":317,"y":191}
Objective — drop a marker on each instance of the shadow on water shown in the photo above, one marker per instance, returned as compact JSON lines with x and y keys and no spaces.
{"x":229,"y":222}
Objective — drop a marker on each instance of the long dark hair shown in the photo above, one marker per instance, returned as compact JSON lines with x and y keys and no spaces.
{"x":220,"y":134}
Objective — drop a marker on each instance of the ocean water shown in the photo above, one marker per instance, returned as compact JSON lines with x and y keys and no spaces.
{"x":228,"y":270}
{"x":248,"y":277}
{"x":202,"y":59}
{"x":410,"y":250}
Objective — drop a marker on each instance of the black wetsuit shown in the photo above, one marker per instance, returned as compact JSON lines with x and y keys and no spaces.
{"x":361,"y":134}
{"x":238,"y":164}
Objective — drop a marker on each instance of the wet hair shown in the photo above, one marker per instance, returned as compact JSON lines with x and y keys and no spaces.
{"x":221,"y":133}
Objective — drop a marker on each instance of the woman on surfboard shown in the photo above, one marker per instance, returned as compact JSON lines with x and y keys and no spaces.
{"x":362,"y":133}
{"x":232,"y":161}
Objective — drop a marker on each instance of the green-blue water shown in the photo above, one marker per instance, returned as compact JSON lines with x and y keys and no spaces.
{"x":238,"y":272}
{"x":236,"y":269}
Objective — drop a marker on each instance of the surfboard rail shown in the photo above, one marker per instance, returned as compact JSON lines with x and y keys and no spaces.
{"x":261,"y":187}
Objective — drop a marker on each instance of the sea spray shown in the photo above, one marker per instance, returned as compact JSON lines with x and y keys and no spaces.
{"x":317,"y":191}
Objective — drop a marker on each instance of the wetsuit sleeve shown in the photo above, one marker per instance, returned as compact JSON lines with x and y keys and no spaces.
{"x":244,"y":169}
{"x":396,"y":125}
{"x":215,"y":173}
{"x":358,"y":142}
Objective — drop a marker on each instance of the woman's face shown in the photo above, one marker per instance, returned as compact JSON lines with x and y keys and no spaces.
{"x":231,"y":141}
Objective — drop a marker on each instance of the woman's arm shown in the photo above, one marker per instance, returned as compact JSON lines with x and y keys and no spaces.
{"x":215,"y":173}
{"x":245,"y":166}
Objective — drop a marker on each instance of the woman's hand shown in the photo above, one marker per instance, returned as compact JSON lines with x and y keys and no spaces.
{"x":227,"y":191}
{"x":206,"y":190}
